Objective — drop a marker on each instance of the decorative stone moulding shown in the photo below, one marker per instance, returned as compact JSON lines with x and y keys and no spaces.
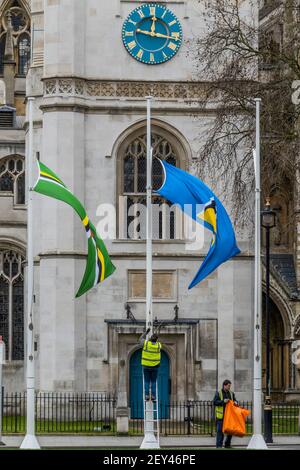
{"x":129,"y":89}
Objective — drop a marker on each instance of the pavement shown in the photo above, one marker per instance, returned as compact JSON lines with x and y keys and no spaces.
{"x":110,"y":442}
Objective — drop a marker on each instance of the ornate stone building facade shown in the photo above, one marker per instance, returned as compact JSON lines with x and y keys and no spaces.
{"x":15,"y":32}
{"x":89,"y":127}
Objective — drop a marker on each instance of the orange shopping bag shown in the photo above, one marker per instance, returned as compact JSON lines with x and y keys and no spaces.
{"x":234,"y":421}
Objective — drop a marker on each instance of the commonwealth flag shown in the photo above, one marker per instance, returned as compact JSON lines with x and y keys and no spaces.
{"x":190,"y":193}
{"x":99,"y":265}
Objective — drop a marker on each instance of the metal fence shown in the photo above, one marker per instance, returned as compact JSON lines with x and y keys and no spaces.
{"x":61,"y":413}
{"x":182,"y":418}
{"x":95,"y":413}
{"x":197,"y":418}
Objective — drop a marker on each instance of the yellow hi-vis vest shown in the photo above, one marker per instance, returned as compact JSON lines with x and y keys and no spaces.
{"x":151,"y":354}
{"x":219,"y":410}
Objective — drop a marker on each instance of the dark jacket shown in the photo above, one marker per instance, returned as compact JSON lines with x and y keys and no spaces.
{"x":217,"y":399}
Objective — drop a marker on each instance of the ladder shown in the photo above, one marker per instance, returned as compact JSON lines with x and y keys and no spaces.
{"x":151,"y":422}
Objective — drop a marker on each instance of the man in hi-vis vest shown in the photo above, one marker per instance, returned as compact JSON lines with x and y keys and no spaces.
{"x":150,"y":363}
{"x":220,"y":400}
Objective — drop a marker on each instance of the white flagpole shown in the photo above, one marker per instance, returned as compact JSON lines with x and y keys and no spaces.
{"x":257,"y":440}
{"x":150,"y":441}
{"x":30,"y":441}
{"x":149,"y":316}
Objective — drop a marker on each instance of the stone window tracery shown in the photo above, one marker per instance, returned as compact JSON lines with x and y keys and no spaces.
{"x":12,"y":303}
{"x":17,"y":19}
{"x":12,"y":178}
{"x":134,"y":174}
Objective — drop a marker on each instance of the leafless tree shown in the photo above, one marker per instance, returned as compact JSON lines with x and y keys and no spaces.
{"x":242,"y":60}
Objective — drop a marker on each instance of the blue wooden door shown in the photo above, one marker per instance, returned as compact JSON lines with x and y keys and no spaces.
{"x":136,"y":386}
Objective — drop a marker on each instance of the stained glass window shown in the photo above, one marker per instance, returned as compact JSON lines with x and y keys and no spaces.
{"x":2,"y":49}
{"x":12,"y":304}
{"x":24,"y":54}
{"x":17,"y":21}
{"x":12,"y":178}
{"x":134,"y":187}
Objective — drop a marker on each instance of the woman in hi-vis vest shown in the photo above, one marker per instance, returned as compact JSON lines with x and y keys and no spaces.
{"x":150,"y":363}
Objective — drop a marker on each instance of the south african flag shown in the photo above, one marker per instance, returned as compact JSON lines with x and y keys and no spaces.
{"x":99,"y":265}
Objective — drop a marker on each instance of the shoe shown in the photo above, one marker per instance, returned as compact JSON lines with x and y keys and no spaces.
{"x":147,"y":398}
{"x":228,"y":447}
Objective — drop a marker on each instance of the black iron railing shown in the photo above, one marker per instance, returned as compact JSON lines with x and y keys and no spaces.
{"x":95,"y":413}
{"x":62,"y":413}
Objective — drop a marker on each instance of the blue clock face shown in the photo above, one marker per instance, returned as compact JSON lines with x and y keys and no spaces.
{"x":152,"y":34}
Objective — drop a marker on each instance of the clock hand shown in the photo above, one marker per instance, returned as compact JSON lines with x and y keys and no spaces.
{"x":159,"y":35}
{"x":153,"y":24}
{"x":150,"y":33}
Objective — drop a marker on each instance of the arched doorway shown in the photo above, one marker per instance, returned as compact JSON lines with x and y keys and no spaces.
{"x":136,"y":385}
{"x":279,"y":363}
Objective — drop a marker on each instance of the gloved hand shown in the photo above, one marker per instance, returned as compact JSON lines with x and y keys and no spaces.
{"x":226,"y":400}
{"x":148,"y":330}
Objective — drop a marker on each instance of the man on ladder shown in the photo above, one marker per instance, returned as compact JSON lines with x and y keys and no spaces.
{"x":150,"y":361}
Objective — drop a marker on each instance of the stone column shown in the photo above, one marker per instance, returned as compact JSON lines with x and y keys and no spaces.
{"x":63,"y":324}
{"x":9,"y":66}
{"x":122,"y":408}
{"x":287,"y":364}
{"x":225,"y":323}
{"x":62,"y":259}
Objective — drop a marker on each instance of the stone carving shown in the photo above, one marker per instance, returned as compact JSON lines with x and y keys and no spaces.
{"x":137,"y":90}
{"x":108,"y":89}
{"x":123,"y":89}
{"x":50,"y":87}
{"x":79,"y":87}
{"x":98,"y":88}
{"x":180,"y":91}
{"x":165,"y":90}
{"x":65,"y":86}
{"x":297,"y":327}
{"x":93,"y":88}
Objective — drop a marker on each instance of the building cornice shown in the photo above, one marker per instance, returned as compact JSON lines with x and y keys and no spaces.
{"x":135,"y":89}
{"x":137,"y":255}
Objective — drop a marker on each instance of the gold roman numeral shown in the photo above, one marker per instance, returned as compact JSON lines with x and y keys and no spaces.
{"x":172,"y":46}
{"x":132,"y":44}
{"x":128,"y":33}
{"x":152,"y":11}
{"x":141,"y":13}
{"x":140,"y":53}
{"x":176,"y":36}
{"x":172,"y":22}
{"x":164,"y":14}
{"x":151,"y":57}
{"x":131,"y":21}
{"x":165,"y":55}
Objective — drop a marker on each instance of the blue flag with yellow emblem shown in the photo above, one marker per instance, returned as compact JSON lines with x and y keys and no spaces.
{"x":187,"y":191}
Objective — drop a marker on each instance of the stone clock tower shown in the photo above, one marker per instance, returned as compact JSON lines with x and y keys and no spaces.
{"x":92,"y":65}
{"x":100,"y":60}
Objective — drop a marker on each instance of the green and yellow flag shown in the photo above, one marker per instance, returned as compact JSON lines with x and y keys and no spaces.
{"x":99,"y":265}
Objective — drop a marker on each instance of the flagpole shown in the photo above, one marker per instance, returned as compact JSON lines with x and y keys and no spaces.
{"x":30,"y":441}
{"x":150,"y":441}
{"x":257,"y":440}
{"x":149,"y":315}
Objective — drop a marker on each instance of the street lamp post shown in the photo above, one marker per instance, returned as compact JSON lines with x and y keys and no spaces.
{"x":268,"y":221}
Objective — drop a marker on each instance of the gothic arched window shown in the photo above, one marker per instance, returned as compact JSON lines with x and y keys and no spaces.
{"x":12,"y":304}
{"x":2,"y":51}
{"x":23,"y":54}
{"x":133,"y":188}
{"x":16,"y":22}
{"x":12,"y":178}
